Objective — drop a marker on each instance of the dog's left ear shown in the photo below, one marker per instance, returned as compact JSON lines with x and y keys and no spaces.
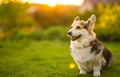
{"x":91,"y":22}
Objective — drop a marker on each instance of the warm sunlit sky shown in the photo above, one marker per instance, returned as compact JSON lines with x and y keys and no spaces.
{"x":54,"y":2}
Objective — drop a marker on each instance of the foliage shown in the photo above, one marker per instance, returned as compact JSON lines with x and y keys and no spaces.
{"x":107,"y":19}
{"x":13,"y":15}
{"x":53,"y":33}
{"x":108,"y":25}
{"x":48,"y":16}
{"x":56,"y":33}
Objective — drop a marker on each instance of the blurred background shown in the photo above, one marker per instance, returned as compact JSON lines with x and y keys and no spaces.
{"x":50,"y":20}
{"x":33,"y":35}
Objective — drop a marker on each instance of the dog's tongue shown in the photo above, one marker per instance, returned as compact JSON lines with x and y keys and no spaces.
{"x":73,"y":38}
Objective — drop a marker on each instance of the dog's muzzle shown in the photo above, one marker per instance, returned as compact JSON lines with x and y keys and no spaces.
{"x":73,"y":37}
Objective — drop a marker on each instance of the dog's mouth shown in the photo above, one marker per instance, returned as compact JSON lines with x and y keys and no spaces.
{"x":75,"y":37}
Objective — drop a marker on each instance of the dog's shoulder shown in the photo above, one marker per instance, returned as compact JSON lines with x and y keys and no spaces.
{"x":97,"y":46}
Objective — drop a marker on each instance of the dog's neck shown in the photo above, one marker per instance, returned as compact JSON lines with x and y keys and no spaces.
{"x":84,"y":41}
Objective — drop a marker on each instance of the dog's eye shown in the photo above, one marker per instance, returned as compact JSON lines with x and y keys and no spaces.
{"x":71,"y":27}
{"x":78,"y":27}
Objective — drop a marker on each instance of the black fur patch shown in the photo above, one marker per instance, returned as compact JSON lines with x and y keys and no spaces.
{"x":108,"y":57}
{"x":96,"y":47}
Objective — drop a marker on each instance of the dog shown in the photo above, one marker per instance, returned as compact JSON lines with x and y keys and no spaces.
{"x":89,"y":54}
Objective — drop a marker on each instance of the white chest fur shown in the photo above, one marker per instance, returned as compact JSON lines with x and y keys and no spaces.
{"x":81,"y":54}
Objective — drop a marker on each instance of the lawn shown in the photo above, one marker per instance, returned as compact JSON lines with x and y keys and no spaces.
{"x":46,"y":59}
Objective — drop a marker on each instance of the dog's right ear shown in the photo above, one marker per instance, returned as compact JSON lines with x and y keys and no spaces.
{"x":77,"y":18}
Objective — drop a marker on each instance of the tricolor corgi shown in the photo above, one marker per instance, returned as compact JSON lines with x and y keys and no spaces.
{"x":89,"y":53}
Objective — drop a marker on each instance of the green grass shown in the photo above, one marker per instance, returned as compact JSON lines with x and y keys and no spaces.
{"x":46,"y":59}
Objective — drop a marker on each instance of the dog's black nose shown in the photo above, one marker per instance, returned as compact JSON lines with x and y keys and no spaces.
{"x":69,"y":33}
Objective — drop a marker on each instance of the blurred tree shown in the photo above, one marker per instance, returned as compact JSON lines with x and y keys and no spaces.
{"x":108,"y":25}
{"x":13,"y":15}
{"x":7,"y":1}
{"x":48,"y":16}
{"x":9,"y":13}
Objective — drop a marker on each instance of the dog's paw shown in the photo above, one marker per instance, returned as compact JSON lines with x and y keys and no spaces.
{"x":96,"y":73}
{"x":83,"y":72}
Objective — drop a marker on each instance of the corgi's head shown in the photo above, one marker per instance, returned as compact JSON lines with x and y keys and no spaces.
{"x":80,"y":28}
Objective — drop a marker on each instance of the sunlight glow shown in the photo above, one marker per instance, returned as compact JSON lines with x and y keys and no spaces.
{"x":72,"y":65}
{"x":55,"y":2}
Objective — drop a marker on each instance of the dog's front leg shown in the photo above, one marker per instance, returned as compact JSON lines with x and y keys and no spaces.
{"x":97,"y":67}
{"x":82,"y":71}
{"x":82,"y":68}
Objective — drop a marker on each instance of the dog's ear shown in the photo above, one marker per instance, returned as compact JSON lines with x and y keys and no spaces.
{"x":77,"y":18}
{"x":91,"y":21}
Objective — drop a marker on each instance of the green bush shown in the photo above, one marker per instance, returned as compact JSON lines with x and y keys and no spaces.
{"x":107,"y":34}
{"x":37,"y":35}
{"x":108,"y":25}
{"x":54,"y":33}
{"x":21,"y":35}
